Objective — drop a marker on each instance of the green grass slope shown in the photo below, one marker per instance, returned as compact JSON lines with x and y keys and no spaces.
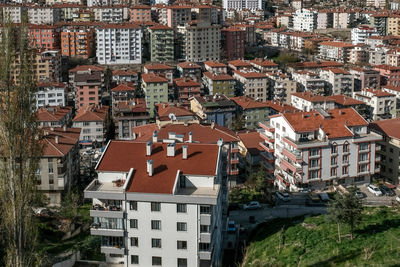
{"x":313,"y":242}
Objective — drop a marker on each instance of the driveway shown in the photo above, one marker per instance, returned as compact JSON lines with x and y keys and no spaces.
{"x":372,"y":200}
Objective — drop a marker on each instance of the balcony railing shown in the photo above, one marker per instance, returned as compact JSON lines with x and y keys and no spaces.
{"x":267,"y":138}
{"x":295,"y":168}
{"x":266,"y":126}
{"x":266,"y":147}
{"x":294,"y":155}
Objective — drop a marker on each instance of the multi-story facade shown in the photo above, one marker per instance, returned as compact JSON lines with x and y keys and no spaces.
{"x":337,"y":51}
{"x":109,"y":14}
{"x":155,"y":89}
{"x":251,"y":110}
{"x":361,"y":33}
{"x":93,"y":121}
{"x":233,"y":43}
{"x":43,"y":14}
{"x":161,"y":43}
{"x":12,"y":11}
{"x":222,"y":84}
{"x":159,"y":69}
{"x":186,"y":89}
{"x":306,"y":101}
{"x":243,"y":4}
{"x":389,"y":152}
{"x":319,"y":149}
{"x":365,"y":78}
{"x":304,"y":20}
{"x":339,"y":81}
{"x":200,"y":41}
{"x":139,"y":13}
{"x":281,"y":87}
{"x":135,"y":195}
{"x":393,"y":25}
{"x":51,"y":94}
{"x":77,"y":41}
{"x":382,"y":104}
{"x":264,"y":65}
{"x":390,"y":75}
{"x":54,"y":116}
{"x":119,"y":44}
{"x":125,"y":75}
{"x":251,"y":83}
{"x":88,"y":89}
{"x":189,"y":70}
{"x":176,"y":15}
{"x":44,"y":36}
{"x":59,"y":164}
{"x":215,"y":67}
{"x":310,"y":82}
{"x":379,"y":22}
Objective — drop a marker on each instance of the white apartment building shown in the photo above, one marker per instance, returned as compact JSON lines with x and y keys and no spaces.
{"x":243,"y":4}
{"x":324,"y":19}
{"x":159,"y":204}
{"x":119,"y":44}
{"x":110,"y":14}
{"x":200,"y":41}
{"x":341,"y":20}
{"x":382,"y":103}
{"x":43,"y":14}
{"x":306,"y":101}
{"x":319,"y":149}
{"x":361,"y":33}
{"x":51,"y":94}
{"x":304,"y":20}
{"x":14,"y":12}
{"x":339,"y":81}
{"x":378,"y":56}
{"x":335,"y":51}
{"x":309,"y":82}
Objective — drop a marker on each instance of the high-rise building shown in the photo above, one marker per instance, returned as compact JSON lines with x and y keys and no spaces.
{"x":161,"y":43}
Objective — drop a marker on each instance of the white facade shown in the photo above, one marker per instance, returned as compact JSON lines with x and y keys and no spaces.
{"x":110,"y":14}
{"x":339,"y":81}
{"x":44,"y":15}
{"x":308,"y":103}
{"x":50,"y":95}
{"x":14,"y":12}
{"x":361,"y":33}
{"x":304,"y":20}
{"x":91,"y":130}
{"x":382,"y":103}
{"x":243,"y":4}
{"x":119,"y":44}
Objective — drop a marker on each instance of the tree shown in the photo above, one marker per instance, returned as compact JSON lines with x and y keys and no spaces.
{"x":70,"y":205}
{"x":138,"y":93}
{"x":108,"y":79}
{"x":347,"y":209}
{"x":20,"y":147}
{"x":238,"y":123}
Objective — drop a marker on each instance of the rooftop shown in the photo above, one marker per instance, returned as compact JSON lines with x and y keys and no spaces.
{"x":153,"y":78}
{"x":91,"y":113}
{"x":165,"y":109}
{"x":52,"y":113}
{"x":59,"y":141}
{"x":158,"y":66}
{"x":389,"y":127}
{"x":312,"y":98}
{"x":189,"y":65}
{"x":248,"y":103}
{"x":251,"y":141}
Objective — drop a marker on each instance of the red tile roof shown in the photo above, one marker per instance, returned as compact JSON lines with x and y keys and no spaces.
{"x":248,"y":103}
{"x":158,"y":66}
{"x":91,"y":113}
{"x":153,"y":78}
{"x":183,"y":82}
{"x":337,"y":71}
{"x":250,"y":74}
{"x":121,"y":156}
{"x":389,"y":127}
{"x":123,"y":72}
{"x":392,"y":87}
{"x":54,"y":113}
{"x":312,"y":98}
{"x":160,"y":27}
{"x":214,"y":64}
{"x":251,"y":141}
{"x":165,"y":109}
{"x":86,"y":68}
{"x":264,"y":63}
{"x":379,"y":93}
{"x":218,"y":77}
{"x":345,"y":100}
{"x":239,"y":63}
{"x":189,"y":65}
{"x":66,"y":141}
{"x":123,"y":87}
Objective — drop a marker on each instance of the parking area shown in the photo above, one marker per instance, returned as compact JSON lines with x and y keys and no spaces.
{"x":374,"y":200}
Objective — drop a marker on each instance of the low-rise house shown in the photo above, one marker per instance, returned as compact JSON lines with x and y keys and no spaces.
{"x":54,"y":116}
{"x":216,"y":67}
{"x":125,"y":75}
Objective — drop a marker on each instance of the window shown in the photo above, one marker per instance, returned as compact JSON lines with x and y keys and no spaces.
{"x":204,"y":246}
{"x":363,"y":157}
{"x":345,"y":148}
{"x":334,"y":149}
{"x":155,"y":225}
{"x":182,"y":262}
{"x":314,"y":163}
{"x":51,"y":171}
{"x":155,"y":206}
{"x":345,"y":170}
{"x":314,"y":152}
{"x":156,"y":243}
{"x":133,"y":205}
{"x":204,"y":228}
{"x":363,"y":168}
{"x":181,"y":208}
{"x":181,"y":226}
{"x":333,"y":171}
{"x":363,"y":146}
{"x":156,"y":261}
{"x":333,"y":160}
{"x":205,"y":209}
{"x":133,"y":223}
{"x":314,"y":174}
{"x":181,"y":244}
{"x":346,"y":159}
{"x":134,"y":241}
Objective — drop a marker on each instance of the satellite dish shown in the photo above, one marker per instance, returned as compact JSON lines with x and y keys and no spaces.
{"x":172,"y":117}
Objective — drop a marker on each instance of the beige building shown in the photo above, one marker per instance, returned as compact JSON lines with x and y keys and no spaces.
{"x":389,"y":153}
{"x":200,"y":41}
{"x":281,"y":86}
{"x":393,"y":25}
{"x":253,"y":84}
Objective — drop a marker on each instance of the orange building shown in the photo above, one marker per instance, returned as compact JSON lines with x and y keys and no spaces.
{"x":77,"y":41}
{"x":140,"y":13}
{"x":44,"y":36}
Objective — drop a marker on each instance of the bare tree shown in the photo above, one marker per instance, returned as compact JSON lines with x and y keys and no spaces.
{"x":20,"y":147}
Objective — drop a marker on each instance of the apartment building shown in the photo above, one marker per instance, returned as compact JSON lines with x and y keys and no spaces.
{"x":336,"y":51}
{"x":207,"y":13}
{"x":135,"y":195}
{"x":233,"y":43}
{"x":161,"y":43}
{"x":189,"y":70}
{"x":281,"y":87}
{"x":176,"y":15}
{"x":389,"y":152}
{"x":361,"y":33}
{"x":394,"y":90}
{"x":393,"y":25}
{"x":215,"y":67}
{"x":167,"y":113}
{"x":93,"y":121}
{"x":43,"y":14}
{"x":304,"y":20}
{"x":119,"y":44}
{"x":155,"y":89}
{"x":12,"y":11}
{"x":251,"y":110}
{"x":238,"y":64}
{"x":379,"y":22}
{"x":54,"y":116}
{"x":125,"y":75}
{"x":382,"y":104}
{"x":200,"y":41}
{"x":251,"y":83}
{"x":324,"y":19}
{"x":88,"y":88}
{"x":393,"y":57}
{"x":139,"y":13}
{"x":77,"y":41}
{"x":251,"y":5}
{"x":218,"y":109}
{"x":110,"y":14}
{"x":342,"y":19}
{"x":221,"y":84}
{"x":186,"y":89}
{"x":81,"y":71}
{"x":159,"y":69}
{"x":339,"y":81}
{"x":318,"y":149}
{"x":44,"y":36}
{"x":390,"y":75}
{"x":51,"y":94}
{"x":365,"y":78}
{"x":310,"y":82}
{"x":59,"y":165}
{"x":264,"y":65}
{"x":250,"y":158}
{"x":306,"y":101}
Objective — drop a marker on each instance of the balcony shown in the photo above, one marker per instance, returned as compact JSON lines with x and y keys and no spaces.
{"x":205,"y":237}
{"x":378,"y":148}
{"x":294,"y":155}
{"x":112,"y":250}
{"x":294,"y":167}
{"x":300,"y":144}
{"x":266,"y":126}
{"x":111,"y":190}
{"x":205,"y":255}
{"x":234,"y":172}
{"x":205,"y":219}
{"x":267,"y":156}
{"x":281,"y":179}
{"x":266,"y":147}
{"x":267,"y":138}
{"x":94,"y":230}
{"x":234,"y":160}
{"x":61,"y":183}
{"x":109,"y":212}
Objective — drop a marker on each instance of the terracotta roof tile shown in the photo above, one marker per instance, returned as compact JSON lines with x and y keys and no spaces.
{"x":91,"y":113}
{"x":252,"y":142}
{"x":165,"y":109}
{"x":153,"y":78}
{"x":248,"y":103}
{"x":158,"y":66}
{"x":345,"y":100}
{"x":66,"y":141}
{"x":123,"y":87}
{"x":189,"y":65}
{"x":389,"y":127}
{"x":218,"y":77}
{"x":214,"y":64}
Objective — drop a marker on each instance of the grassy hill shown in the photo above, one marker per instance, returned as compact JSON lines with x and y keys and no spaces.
{"x":312,"y":241}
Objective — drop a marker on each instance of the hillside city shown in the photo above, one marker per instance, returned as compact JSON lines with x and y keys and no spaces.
{"x":174,"y":131}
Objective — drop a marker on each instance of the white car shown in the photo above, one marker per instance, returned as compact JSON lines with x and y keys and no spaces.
{"x":253,"y":205}
{"x":284,"y":196}
{"x":374,"y":190}
{"x":398,"y":199}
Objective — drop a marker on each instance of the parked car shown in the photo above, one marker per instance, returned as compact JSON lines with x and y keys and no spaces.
{"x":398,"y":199}
{"x":231,"y":227}
{"x":386,"y":191}
{"x":374,"y":190}
{"x":324,"y":196}
{"x":253,"y":205}
{"x":359,"y":194}
{"x":284,"y":196}
{"x":314,"y":197}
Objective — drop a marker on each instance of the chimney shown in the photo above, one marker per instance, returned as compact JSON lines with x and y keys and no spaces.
{"x":184,"y":152}
{"x":212,"y":125}
{"x":65,"y":128}
{"x":155,"y":135}
{"x":190,"y":137}
{"x":150,"y":167}
{"x":56,"y":138}
{"x":171,"y":150}
{"x":148,"y":148}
